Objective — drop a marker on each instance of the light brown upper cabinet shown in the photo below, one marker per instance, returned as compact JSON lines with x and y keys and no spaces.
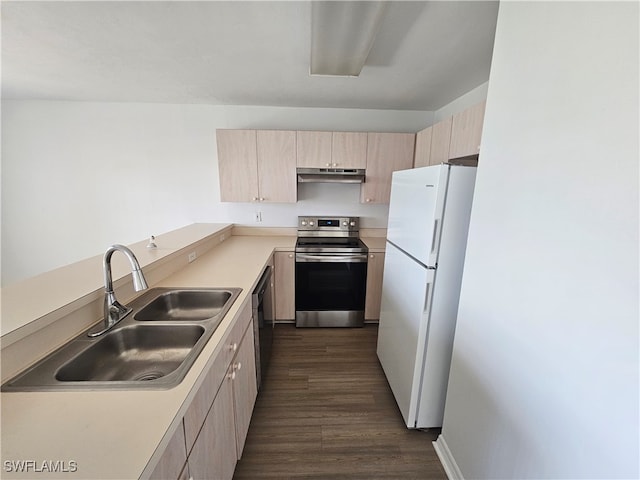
{"x":277,"y":180}
{"x":466,"y":131}
{"x":386,"y":153}
{"x":237,"y":165}
{"x":257,"y":166}
{"x":422,"y":156}
{"x":440,"y":140}
{"x":349,"y":150}
{"x":314,"y":149}
{"x":332,"y":149}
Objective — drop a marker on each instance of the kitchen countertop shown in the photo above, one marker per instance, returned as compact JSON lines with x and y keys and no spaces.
{"x":62,"y":286}
{"x":375,"y":244}
{"x":113,"y":434}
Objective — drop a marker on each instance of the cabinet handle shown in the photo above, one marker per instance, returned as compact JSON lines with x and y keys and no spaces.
{"x":291,"y":255}
{"x":328,"y":164}
{"x":238,"y":366}
{"x":372,"y":256}
{"x":368,"y":200}
{"x":335,"y":164}
{"x":232,"y":375}
{"x":233,"y":347}
{"x":255,"y":199}
{"x":262,"y":199}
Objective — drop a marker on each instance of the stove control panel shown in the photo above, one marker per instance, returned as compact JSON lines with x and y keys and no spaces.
{"x":329,"y":224}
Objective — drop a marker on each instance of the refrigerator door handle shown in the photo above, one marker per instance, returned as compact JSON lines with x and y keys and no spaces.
{"x":434,"y":236}
{"x":427,"y":298}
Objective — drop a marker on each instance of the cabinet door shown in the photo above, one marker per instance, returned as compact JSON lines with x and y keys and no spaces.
{"x":201,"y":403}
{"x":386,"y":153}
{"x":375,"y":268}
{"x":440,"y":140}
{"x":173,"y":460}
{"x":237,"y":165}
{"x":349,"y":150}
{"x":214,"y":452}
{"x":466,"y":131}
{"x":285,"y":285}
{"x":423,"y":148}
{"x":245,"y":388}
{"x":314,"y":149}
{"x":277,"y":166}
{"x":270,"y":302}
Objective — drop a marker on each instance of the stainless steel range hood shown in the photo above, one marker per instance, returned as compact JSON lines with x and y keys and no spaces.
{"x":330,"y":175}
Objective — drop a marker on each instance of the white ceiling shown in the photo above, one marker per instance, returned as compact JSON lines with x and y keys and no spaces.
{"x":240,"y":53}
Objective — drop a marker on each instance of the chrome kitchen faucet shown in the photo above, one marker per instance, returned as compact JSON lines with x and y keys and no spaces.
{"x":114,"y":311}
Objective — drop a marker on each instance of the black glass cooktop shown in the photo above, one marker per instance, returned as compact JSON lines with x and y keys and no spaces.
{"x":327,"y":244}
{"x":329,"y":241}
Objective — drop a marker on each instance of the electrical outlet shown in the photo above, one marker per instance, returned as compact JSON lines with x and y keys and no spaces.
{"x":192,"y":256}
{"x":258,"y":216}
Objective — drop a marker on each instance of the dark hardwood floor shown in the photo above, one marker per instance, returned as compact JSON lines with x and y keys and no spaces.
{"x":325,"y":411}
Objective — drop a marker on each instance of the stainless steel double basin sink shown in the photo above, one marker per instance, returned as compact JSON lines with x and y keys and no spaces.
{"x":152,"y":348}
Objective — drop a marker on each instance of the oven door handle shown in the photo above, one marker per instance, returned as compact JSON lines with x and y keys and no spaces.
{"x":349,"y":258}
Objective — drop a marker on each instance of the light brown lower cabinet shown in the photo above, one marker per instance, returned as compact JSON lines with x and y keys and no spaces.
{"x":214,"y":452}
{"x":375,"y":267}
{"x":210,"y":439}
{"x":284,"y":285}
{"x":173,"y":463}
{"x":245,"y":388}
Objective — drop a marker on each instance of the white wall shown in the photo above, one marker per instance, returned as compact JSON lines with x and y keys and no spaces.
{"x":544,"y":378}
{"x":79,"y":176}
{"x":461,"y":103}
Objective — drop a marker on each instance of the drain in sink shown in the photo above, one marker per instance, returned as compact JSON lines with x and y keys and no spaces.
{"x":149,"y":376}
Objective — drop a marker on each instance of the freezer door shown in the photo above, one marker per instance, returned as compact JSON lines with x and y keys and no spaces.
{"x":402,"y":333}
{"x":415,"y":211}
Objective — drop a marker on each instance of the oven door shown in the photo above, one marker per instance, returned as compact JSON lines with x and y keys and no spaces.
{"x":330,"y":289}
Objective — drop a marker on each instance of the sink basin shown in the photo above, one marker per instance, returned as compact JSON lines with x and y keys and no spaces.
{"x":152,"y":348}
{"x":185,"y":305}
{"x":133,"y":353}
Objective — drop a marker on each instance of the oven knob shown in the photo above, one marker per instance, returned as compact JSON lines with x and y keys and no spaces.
{"x":311,"y":223}
{"x":344,"y":224}
{"x":303,"y":223}
{"x":353,"y":224}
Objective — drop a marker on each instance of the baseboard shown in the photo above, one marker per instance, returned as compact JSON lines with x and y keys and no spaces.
{"x":446,"y":458}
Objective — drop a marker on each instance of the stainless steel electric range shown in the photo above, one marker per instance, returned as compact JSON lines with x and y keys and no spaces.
{"x":331,"y":272}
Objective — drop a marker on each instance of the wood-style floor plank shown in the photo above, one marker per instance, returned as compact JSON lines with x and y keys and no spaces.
{"x":325,"y":411}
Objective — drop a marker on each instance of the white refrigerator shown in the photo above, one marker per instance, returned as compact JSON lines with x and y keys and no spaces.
{"x":426,"y":242}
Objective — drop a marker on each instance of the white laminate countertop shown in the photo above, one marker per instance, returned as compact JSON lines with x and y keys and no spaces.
{"x":113,"y":434}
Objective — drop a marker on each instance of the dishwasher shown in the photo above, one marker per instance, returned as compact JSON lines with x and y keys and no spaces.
{"x":262,"y":304}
